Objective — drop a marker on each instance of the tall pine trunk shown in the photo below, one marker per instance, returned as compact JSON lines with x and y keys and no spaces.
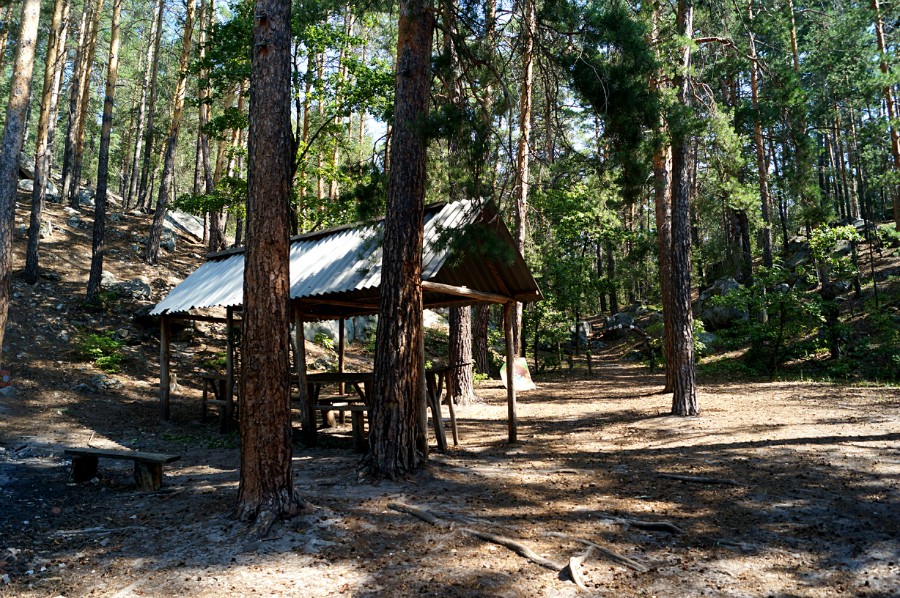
{"x":112,"y":75}
{"x":167,"y":178}
{"x":761,"y":167}
{"x":524,"y":148}
{"x":46,"y":125}
{"x":84,"y":104}
{"x":266,"y":487}
{"x":888,"y":92}
{"x":684,"y":397}
{"x":459,"y":381}
{"x":13,"y":136}
{"x":399,"y":385}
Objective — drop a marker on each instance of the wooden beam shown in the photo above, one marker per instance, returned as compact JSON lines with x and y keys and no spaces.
{"x":338,"y":303}
{"x":508,"y":310}
{"x":341,"y":352}
{"x":190,"y":318}
{"x":307,"y":404}
{"x":165,"y":333}
{"x":229,"y":367}
{"x":447,"y":289}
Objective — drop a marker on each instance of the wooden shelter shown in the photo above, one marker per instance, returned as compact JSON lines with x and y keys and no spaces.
{"x":469,"y":257}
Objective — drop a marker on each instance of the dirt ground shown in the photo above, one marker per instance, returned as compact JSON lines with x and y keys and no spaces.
{"x":794,"y":489}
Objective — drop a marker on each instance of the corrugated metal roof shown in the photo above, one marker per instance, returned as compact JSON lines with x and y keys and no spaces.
{"x":344,"y":260}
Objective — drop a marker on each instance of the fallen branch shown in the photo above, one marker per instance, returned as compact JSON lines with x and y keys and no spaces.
{"x":654,"y":526}
{"x":514,"y":545}
{"x":699,"y":479}
{"x":614,"y":556}
{"x":575,"y":563}
{"x":94,"y":530}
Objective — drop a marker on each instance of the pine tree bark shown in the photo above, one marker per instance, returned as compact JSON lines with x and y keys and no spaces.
{"x":684,"y":398}
{"x":266,"y":485}
{"x":398,"y":386}
{"x":146,"y":171}
{"x":46,"y":125}
{"x":460,"y":386}
{"x":4,"y":32}
{"x":13,"y":136}
{"x":207,"y":9}
{"x":524,"y":148}
{"x":481,"y":319}
{"x":112,"y":76}
{"x":167,"y":178}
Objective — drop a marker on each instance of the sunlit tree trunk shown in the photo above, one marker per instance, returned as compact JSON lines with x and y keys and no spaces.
{"x":54,"y":63}
{"x":761,"y":168}
{"x":266,"y":487}
{"x":891,"y":106}
{"x":399,"y":385}
{"x":684,"y":398}
{"x":84,"y":104}
{"x":146,"y":172}
{"x":112,"y":75}
{"x":524,"y":147}
{"x":4,"y":32}
{"x":13,"y":136}
{"x":168,"y":172}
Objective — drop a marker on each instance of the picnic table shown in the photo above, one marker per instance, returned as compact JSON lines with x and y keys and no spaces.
{"x":435,"y":378}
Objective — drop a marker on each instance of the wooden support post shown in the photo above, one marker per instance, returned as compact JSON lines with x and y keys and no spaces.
{"x":225,"y":422}
{"x":422,"y":403}
{"x":165,"y":333}
{"x":508,"y":311}
{"x":341,"y":353}
{"x":84,"y":468}
{"x":307,"y":403}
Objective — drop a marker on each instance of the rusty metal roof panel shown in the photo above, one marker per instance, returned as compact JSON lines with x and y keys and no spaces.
{"x":344,"y":260}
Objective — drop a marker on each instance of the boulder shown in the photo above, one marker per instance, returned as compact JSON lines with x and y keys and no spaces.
{"x":86,"y":197}
{"x":184,"y":223}
{"x":74,"y":221}
{"x":136,"y":288}
{"x":168,"y":241}
{"x":26,"y":166}
{"x":25,"y":186}
{"x":619,"y":320}
{"x":716,"y":317}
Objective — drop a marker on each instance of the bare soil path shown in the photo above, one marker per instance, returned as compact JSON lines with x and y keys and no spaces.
{"x":807,"y":503}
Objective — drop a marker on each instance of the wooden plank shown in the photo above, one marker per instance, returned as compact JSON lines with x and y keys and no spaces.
{"x":122,"y":454}
{"x":437,"y":287}
{"x":308,"y":418}
{"x":164,"y":358}
{"x":510,"y":365}
{"x":227,"y":414}
{"x":341,"y":352}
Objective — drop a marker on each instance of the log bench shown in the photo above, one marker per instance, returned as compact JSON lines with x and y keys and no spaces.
{"x":147,"y":466}
{"x":356,"y":420}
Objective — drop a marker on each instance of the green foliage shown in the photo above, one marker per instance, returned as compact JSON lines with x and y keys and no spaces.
{"x":323,"y":340}
{"x":822,"y":243}
{"x":101,"y":349}
{"x":888,"y":236}
{"x":229,"y":194}
{"x":779,"y":318}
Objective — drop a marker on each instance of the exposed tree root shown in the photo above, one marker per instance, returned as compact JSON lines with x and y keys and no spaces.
{"x":699,"y":479}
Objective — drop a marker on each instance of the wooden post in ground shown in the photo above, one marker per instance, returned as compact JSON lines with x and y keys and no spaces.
{"x":164,"y":356}
{"x":307,"y":408}
{"x":229,"y":364}
{"x":508,"y":312}
{"x":341,"y":354}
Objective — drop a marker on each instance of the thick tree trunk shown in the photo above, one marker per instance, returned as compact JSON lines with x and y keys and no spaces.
{"x":207,"y":9}
{"x":266,"y":487}
{"x":460,"y":388}
{"x":112,"y":75}
{"x":481,"y":319}
{"x":684,"y":399}
{"x":398,"y":382}
{"x":888,"y":92}
{"x":13,"y":136}
{"x":524,"y":148}
{"x":167,"y":178}
{"x":611,"y":277}
{"x":46,"y":125}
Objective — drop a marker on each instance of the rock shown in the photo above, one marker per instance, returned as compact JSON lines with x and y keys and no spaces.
{"x":716,"y":317}
{"x":583,"y":332}
{"x":143,"y":320}
{"x":26,"y":166}
{"x":114,"y":217}
{"x":86,"y":197}
{"x":123,"y":333}
{"x":25,"y":186}
{"x":8,"y":391}
{"x":842,"y":248}
{"x":168,"y":241}
{"x":71,"y":211}
{"x":322,"y":363}
{"x":136,"y":288}
{"x":103,"y":382}
{"x":74,"y":222}
{"x":51,"y":190}
{"x":619,"y":320}
{"x":709,"y":341}
{"x":108,"y":279}
{"x":185,"y":223}
{"x":83,"y":388}
{"x":22,"y":230}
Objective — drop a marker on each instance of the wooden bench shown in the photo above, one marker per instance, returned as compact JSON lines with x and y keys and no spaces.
{"x":356,"y":419}
{"x":147,"y":466}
